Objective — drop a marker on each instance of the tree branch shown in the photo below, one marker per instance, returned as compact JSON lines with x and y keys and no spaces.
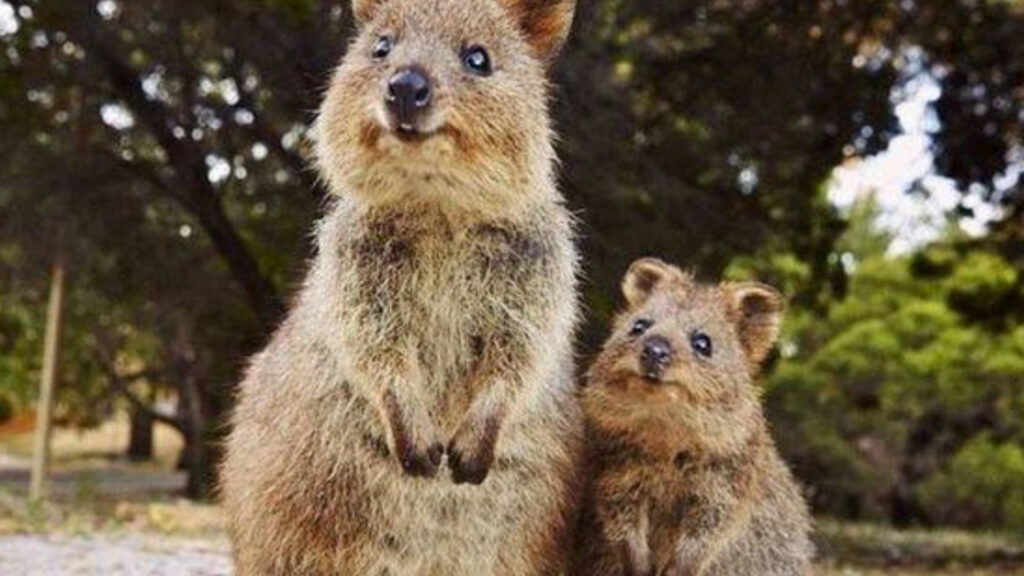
{"x":120,"y":383}
{"x":194,"y":191}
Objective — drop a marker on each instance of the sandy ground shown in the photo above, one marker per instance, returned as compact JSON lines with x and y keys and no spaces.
{"x":106,"y":517}
{"x":130,"y":555}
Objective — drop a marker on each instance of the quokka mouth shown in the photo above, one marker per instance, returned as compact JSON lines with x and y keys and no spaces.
{"x":446,"y":131}
{"x":654,"y":373}
{"x":411,"y":135}
{"x":652,"y":376}
{"x":638,"y":374}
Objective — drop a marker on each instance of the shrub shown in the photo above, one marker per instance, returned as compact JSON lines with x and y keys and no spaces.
{"x":982,"y":485}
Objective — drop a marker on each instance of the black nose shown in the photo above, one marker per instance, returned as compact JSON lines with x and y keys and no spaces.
{"x":656,"y":354}
{"x":408,"y":94}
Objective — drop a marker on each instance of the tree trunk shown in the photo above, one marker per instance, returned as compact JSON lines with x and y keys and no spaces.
{"x":202,"y":470}
{"x":196,"y":457}
{"x":51,"y":353}
{"x":140,"y":437}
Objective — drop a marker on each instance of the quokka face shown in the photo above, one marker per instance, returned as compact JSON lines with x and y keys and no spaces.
{"x":444,"y":101}
{"x":681,"y":345}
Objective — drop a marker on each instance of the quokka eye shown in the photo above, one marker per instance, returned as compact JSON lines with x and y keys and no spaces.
{"x":701,"y":344}
{"x":640,"y":326}
{"x":477,"y":61}
{"x":382,"y":47}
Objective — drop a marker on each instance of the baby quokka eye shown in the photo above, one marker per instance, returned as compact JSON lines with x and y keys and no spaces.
{"x":382,"y":47}
{"x":476,"y":59}
{"x":640,"y":326}
{"x":701,"y":344}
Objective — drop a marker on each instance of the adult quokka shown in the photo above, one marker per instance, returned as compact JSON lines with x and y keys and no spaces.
{"x":415,"y":413}
{"x":685,"y":478}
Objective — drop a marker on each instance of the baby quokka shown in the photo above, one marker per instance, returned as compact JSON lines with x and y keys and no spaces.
{"x":685,"y":478}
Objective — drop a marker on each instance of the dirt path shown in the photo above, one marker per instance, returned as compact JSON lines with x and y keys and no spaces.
{"x":130,"y":555}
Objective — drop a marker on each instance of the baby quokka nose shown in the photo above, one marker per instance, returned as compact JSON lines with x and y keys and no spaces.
{"x":408,"y":95}
{"x":655,"y":356}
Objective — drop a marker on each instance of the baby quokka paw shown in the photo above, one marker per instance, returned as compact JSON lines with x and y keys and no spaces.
{"x":414,"y":440}
{"x":471,"y":450}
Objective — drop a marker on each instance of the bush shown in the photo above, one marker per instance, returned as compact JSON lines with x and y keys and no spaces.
{"x":982,"y":286}
{"x":982,"y":485}
{"x":840,"y":480}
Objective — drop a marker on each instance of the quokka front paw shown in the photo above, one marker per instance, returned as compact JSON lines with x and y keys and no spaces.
{"x":421,"y":463}
{"x":471,"y":451}
{"x":414,"y":441}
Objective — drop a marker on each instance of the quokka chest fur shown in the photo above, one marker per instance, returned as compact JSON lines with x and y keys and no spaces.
{"x":450,"y":292}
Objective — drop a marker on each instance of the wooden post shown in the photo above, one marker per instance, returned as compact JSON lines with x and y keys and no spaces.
{"x":44,"y":411}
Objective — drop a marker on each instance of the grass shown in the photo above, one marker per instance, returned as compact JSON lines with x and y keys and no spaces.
{"x":857,"y":549}
{"x":167,"y":517}
{"x":91,"y":489}
{"x":829,"y":569}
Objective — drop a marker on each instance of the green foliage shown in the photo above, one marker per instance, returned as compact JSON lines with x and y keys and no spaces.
{"x":806,"y":411}
{"x":886,"y":405}
{"x":982,"y":285}
{"x":862,"y":238}
{"x":983,"y":484}
{"x":21,"y":345}
{"x":783,"y":270}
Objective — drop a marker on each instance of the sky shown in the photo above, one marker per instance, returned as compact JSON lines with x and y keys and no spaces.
{"x":914,"y":219}
{"x":8,"y":23}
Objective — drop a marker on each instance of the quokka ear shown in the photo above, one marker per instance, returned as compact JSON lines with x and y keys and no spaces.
{"x":363,"y":10}
{"x":545,"y":23}
{"x":757,"y":312}
{"x":643,"y":277}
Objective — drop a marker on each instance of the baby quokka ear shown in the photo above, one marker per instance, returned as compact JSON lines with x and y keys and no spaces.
{"x":363,"y":10}
{"x":545,"y":23}
{"x":643,"y":277}
{"x":757,"y":312}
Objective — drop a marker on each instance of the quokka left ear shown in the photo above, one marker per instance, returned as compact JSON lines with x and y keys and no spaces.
{"x":643,"y":276}
{"x":757,"y":312}
{"x":363,"y":10}
{"x":546,"y":23}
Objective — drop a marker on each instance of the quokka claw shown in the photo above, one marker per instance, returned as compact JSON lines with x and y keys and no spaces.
{"x":422,"y":465}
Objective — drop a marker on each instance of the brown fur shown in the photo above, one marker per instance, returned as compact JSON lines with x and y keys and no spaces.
{"x":415,"y":412}
{"x":685,"y":478}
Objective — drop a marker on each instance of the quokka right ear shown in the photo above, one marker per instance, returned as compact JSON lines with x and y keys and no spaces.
{"x":643,"y":277}
{"x":546,"y":23}
{"x":757,"y":311}
{"x":363,"y":10}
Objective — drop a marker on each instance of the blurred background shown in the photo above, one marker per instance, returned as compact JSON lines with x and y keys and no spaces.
{"x":865,"y":157}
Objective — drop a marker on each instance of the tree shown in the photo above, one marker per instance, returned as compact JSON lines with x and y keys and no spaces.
{"x":886,"y":404}
{"x":145,"y":118}
{"x":167,"y":141}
